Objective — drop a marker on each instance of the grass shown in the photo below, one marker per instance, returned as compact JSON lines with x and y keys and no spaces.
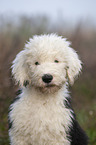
{"x":85,"y":107}
{"x":87,"y":119}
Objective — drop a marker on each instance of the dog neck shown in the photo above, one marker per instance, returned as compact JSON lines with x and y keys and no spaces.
{"x":32,"y":92}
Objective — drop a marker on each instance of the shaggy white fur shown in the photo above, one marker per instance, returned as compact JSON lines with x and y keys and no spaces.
{"x":39,"y":116}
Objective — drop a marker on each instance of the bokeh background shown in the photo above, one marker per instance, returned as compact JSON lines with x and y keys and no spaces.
{"x":75,"y":20}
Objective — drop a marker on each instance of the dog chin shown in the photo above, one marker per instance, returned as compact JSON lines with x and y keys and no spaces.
{"x":49,"y":88}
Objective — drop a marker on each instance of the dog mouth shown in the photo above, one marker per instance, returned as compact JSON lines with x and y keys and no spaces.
{"x":49,"y":88}
{"x":50,"y":85}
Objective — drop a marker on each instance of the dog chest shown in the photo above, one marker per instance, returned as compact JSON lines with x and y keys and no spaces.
{"x":45,"y":121}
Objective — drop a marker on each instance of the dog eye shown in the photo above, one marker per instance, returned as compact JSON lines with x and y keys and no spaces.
{"x":37,"y":63}
{"x":56,"y":61}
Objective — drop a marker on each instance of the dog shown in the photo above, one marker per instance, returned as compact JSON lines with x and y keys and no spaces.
{"x":42,"y":113}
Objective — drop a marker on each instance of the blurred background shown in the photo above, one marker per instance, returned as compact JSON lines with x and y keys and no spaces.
{"x":75,"y":20}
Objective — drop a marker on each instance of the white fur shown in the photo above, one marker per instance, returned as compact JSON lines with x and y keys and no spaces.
{"x":40,"y":116}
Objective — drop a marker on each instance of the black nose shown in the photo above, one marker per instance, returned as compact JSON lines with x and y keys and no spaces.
{"x":47,"y":78}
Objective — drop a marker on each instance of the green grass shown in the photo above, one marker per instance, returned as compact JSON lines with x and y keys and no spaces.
{"x":87,"y":119}
{"x":4,"y":141}
{"x":84,"y":92}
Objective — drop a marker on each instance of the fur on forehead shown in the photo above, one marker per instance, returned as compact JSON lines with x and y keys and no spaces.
{"x":47,"y":43}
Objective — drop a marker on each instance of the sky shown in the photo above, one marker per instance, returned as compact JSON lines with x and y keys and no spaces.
{"x":72,"y":10}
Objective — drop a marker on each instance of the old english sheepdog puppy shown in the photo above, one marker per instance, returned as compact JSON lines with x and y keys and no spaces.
{"x":42,"y":113}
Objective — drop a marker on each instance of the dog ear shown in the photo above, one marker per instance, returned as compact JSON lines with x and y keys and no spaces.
{"x":74,"y":65}
{"x":19,"y":69}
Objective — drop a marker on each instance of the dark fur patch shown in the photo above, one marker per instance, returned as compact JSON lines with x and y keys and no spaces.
{"x":77,"y":135}
{"x":26,"y":83}
{"x":9,"y":123}
{"x":10,"y":108}
{"x":67,"y":103}
{"x":19,"y":92}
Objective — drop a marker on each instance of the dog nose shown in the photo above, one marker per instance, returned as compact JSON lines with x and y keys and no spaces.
{"x":47,"y":78}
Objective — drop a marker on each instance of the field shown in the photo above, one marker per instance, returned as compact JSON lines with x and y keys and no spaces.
{"x":13,"y":35}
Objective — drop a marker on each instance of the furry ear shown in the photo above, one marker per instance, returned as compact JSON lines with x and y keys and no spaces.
{"x":74,"y":65}
{"x":19,"y":68}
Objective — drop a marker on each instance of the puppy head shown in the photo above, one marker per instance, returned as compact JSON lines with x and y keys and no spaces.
{"x":46,"y":62}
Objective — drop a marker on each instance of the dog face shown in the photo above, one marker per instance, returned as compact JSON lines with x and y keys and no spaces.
{"x":46,"y":63}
